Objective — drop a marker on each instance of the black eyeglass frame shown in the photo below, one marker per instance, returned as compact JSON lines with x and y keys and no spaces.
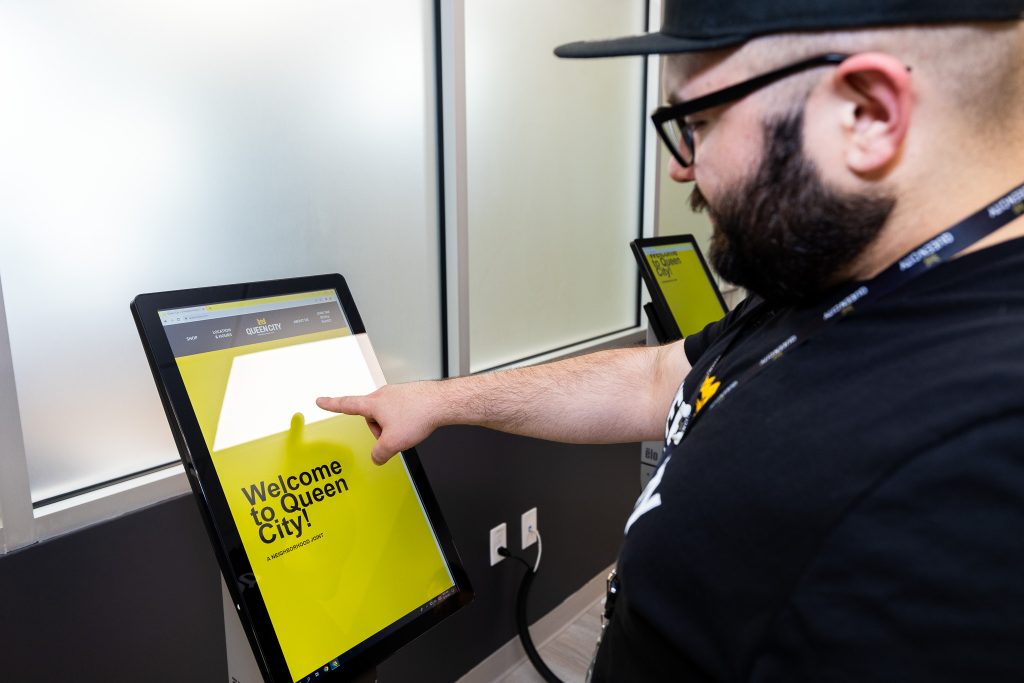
{"x":677,"y":112}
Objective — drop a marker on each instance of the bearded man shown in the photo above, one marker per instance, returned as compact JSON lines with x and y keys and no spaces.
{"x":841,"y":496}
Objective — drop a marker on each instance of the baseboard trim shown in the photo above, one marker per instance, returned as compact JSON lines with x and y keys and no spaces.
{"x":511,"y":654}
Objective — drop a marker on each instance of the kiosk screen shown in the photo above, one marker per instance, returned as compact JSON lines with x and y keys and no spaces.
{"x":341,"y":549}
{"x":679,"y":281}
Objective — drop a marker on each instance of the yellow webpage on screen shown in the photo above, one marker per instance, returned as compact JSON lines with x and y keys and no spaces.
{"x":685,"y":285}
{"x":340,"y":548}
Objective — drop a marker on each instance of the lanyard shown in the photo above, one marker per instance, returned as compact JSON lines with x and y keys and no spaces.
{"x":914,"y":263}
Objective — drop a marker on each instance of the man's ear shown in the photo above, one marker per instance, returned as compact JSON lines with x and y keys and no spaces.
{"x":876,"y":87}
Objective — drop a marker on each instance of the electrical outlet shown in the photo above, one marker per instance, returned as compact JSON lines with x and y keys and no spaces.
{"x":499,"y":536}
{"x":528,"y":528}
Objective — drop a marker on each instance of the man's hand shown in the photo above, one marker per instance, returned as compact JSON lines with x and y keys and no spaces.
{"x":399,"y":415}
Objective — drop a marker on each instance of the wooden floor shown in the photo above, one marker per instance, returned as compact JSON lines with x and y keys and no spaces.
{"x":567,"y":654}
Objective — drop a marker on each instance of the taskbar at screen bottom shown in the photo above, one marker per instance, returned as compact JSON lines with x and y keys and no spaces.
{"x":339,"y":663}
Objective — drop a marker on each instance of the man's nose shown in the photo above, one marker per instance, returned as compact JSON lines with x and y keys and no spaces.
{"x":678,"y":172}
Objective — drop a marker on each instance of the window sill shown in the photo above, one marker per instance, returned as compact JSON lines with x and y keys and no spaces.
{"x":109,"y":502}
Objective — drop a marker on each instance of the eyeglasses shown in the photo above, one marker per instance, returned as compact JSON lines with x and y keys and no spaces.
{"x":678,"y":134}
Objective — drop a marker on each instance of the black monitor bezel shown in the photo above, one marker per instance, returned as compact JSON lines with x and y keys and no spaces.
{"x":213,"y":505}
{"x":661,"y":307}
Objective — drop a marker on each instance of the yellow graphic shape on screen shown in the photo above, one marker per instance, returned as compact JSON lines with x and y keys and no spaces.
{"x":684,"y":282}
{"x":339,"y":546}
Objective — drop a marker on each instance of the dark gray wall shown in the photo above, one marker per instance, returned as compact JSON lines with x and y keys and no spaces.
{"x":134,"y":599}
{"x":138,"y":598}
{"x":583,"y":495}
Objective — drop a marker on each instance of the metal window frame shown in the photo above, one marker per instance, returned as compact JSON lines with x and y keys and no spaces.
{"x":15,"y":496}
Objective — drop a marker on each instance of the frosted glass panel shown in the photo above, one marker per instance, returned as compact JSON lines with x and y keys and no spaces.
{"x":167,"y":144}
{"x":553,"y":152}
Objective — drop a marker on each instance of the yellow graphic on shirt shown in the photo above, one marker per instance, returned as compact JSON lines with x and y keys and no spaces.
{"x":707,"y":390}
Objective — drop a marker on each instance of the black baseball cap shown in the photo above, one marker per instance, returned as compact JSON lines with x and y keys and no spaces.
{"x":698,"y":25}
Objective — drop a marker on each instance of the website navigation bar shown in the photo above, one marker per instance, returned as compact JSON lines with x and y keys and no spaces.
{"x":241,"y":326}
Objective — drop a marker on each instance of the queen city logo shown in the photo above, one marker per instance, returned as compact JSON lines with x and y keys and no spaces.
{"x":261,"y":328}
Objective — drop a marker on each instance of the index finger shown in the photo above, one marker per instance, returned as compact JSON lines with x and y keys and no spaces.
{"x":350,"y":405}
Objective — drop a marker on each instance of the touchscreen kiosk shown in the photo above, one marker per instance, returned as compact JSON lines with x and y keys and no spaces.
{"x":333,"y":562}
{"x":684,"y":296}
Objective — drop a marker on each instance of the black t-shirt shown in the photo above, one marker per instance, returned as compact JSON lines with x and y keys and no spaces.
{"x":853,"y":513}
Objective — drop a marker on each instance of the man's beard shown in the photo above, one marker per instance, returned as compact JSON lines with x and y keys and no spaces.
{"x":783,"y":234}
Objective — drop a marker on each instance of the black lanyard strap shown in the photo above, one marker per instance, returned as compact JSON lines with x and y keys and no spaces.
{"x":913,"y":264}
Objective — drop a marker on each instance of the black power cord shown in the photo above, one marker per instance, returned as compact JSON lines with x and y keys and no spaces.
{"x":524,"y":627}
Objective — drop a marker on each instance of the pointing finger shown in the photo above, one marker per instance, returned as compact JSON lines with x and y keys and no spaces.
{"x":350,"y":405}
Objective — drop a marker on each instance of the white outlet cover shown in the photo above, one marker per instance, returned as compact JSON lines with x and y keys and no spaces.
{"x":528,"y":519}
{"x":499,"y":538}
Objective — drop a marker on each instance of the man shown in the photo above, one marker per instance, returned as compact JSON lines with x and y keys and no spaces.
{"x":842,"y":491}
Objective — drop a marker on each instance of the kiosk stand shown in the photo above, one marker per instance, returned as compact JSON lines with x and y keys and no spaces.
{"x":650,"y":451}
{"x":242,"y":667}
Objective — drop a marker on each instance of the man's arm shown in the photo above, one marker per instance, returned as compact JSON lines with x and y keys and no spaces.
{"x":607,"y":397}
